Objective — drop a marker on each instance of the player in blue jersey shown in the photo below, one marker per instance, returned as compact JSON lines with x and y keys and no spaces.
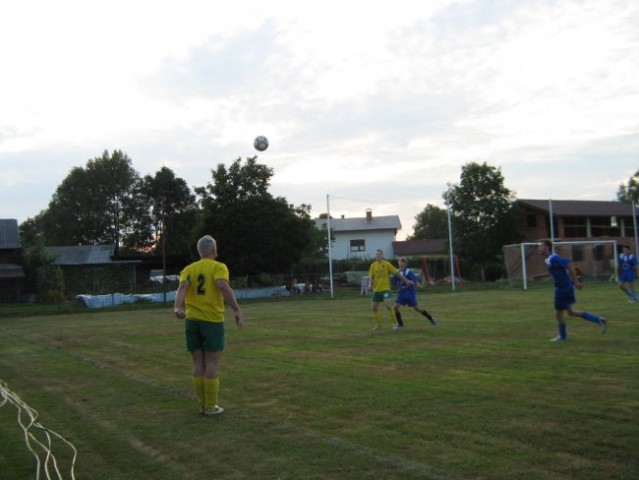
{"x":628,"y":270}
{"x":407,"y":295}
{"x":565,"y":280}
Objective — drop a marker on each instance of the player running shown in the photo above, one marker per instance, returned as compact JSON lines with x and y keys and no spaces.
{"x":407,"y":294}
{"x":565,"y":279}
{"x":379,"y":275}
{"x":628,"y":267}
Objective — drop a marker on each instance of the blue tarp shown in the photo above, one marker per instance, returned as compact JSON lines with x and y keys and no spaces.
{"x":114,"y":299}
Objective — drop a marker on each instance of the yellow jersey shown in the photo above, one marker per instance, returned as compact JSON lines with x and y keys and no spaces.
{"x":380,"y":273}
{"x":204,"y":300}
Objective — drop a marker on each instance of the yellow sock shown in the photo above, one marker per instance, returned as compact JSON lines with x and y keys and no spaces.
{"x":376,"y":318}
{"x":198,"y":388}
{"x":391,"y":314}
{"x":211,"y":388}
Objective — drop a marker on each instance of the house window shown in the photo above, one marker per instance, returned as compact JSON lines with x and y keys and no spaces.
{"x":531,"y":221}
{"x":605,"y":227}
{"x":358,"y":245}
{"x":575,"y":227}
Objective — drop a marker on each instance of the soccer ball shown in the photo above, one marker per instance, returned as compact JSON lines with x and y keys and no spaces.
{"x":260,"y":143}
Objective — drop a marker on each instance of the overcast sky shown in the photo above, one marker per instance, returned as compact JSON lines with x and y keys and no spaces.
{"x":377,"y":104}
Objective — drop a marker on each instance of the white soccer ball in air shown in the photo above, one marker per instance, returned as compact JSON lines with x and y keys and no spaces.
{"x":260,"y":143}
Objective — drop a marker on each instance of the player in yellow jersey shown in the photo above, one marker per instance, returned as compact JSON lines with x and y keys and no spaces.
{"x":203,"y":289}
{"x":379,"y":275}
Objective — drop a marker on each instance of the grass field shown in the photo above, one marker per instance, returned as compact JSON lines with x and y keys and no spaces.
{"x":311,"y":392}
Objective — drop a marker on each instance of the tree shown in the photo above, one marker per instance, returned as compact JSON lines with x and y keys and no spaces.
{"x":630,"y":192}
{"x":239,"y":182}
{"x":256,"y":232}
{"x":42,"y":275}
{"x":31,"y":231}
{"x":171,"y":209}
{"x":96,"y":205}
{"x":432,"y":222}
{"x":484,"y":216}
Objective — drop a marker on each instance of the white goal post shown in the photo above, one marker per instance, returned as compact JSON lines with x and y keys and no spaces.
{"x":595,"y":258}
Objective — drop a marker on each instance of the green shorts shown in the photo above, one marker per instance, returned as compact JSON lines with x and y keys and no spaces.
{"x":381,"y":296}
{"x":205,"y":336}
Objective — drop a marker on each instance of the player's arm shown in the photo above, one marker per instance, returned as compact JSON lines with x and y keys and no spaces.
{"x":180,"y":296}
{"x":575,"y":278}
{"x":231,"y":301}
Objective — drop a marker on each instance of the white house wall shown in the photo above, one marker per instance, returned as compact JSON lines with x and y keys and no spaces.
{"x":341,"y":248}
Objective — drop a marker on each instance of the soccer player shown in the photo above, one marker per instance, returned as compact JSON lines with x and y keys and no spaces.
{"x":379,"y":275}
{"x":407,"y":294}
{"x":628,"y":272}
{"x":565,"y":279}
{"x":203,"y":289}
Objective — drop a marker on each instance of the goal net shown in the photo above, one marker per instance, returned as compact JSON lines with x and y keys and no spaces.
{"x":595,"y":260}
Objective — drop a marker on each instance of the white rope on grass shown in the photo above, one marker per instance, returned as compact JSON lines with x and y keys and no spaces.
{"x":27,"y":419}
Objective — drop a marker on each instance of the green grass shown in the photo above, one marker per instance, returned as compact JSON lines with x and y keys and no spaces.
{"x":312,"y":393}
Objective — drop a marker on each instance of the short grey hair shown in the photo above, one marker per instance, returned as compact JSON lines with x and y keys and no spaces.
{"x":206,"y":245}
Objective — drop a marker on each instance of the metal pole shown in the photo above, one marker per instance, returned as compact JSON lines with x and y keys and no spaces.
{"x":450,"y":241}
{"x":328,"y":234}
{"x":523,"y":264}
{"x":634,"y":221}
{"x":163,"y":249}
{"x":552,"y":225}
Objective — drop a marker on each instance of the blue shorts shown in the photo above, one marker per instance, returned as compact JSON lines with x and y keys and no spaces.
{"x":205,"y":336}
{"x":627,"y":276}
{"x":564,"y":299}
{"x":407,"y":297}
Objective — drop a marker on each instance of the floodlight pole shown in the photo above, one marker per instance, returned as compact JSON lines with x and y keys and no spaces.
{"x":162,"y":200}
{"x":552,"y":224}
{"x":328,"y":235}
{"x":634,"y":221}
{"x":450,"y":241}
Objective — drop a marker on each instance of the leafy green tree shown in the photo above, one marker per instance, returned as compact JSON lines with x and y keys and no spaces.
{"x":172,"y":211}
{"x":43,"y":277}
{"x":31,"y":231}
{"x":432,"y":222}
{"x":256,"y":232}
{"x":75,"y":216}
{"x":484,"y":216}
{"x":629,"y":192}
{"x":97,"y":205}
{"x":238,"y":182}
{"x":50,"y":283}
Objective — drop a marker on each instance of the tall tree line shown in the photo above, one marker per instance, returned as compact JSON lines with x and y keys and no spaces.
{"x":108,"y":202}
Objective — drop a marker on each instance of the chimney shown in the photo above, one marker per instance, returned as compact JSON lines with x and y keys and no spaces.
{"x":369,"y":215}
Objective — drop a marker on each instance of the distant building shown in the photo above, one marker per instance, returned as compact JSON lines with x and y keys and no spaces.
{"x":11,"y":274}
{"x":92,"y":269}
{"x":421,"y":248}
{"x":577,"y":220}
{"x":360,"y":237}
